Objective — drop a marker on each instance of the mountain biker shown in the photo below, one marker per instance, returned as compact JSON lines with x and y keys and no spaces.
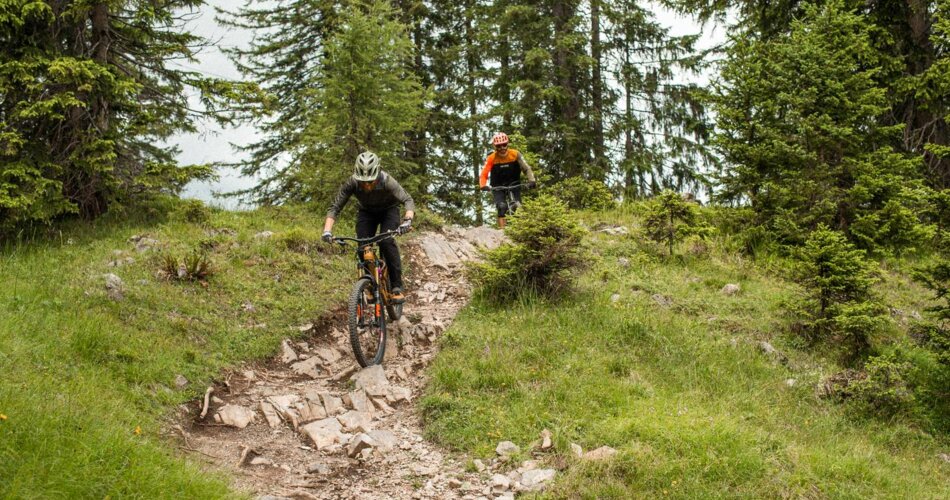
{"x":379,"y":197}
{"x":504,"y":167}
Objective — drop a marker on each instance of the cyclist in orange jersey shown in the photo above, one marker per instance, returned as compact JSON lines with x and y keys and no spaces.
{"x":504,"y":168}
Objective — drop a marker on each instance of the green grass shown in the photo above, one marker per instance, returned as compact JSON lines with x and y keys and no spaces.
{"x":682,"y":392}
{"x":80,"y":372}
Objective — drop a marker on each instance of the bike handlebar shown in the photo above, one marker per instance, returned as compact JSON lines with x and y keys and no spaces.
{"x":367,"y":241}
{"x":508,"y":188}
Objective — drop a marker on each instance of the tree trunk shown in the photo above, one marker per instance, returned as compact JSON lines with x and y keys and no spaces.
{"x":475,"y":157}
{"x":597,"y":113}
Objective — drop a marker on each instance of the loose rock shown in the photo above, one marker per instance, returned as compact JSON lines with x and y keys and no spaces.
{"x":662,"y":300}
{"x":545,"y":439}
{"x":500,"y":483}
{"x":324,"y":433}
{"x":536,"y":480}
{"x":310,"y":367}
{"x":359,"y":443}
{"x":772,"y":352}
{"x":372,"y":380}
{"x":318,"y":468}
{"x":287,"y":353}
{"x":730,"y":289}
{"x":356,"y":421}
{"x":114,"y":286}
{"x":577,"y":450}
{"x":385,"y":440}
{"x":602,"y":453}
{"x":234,"y":416}
{"x":332,"y":404}
{"x":359,"y":401}
{"x":507,"y":448}
{"x":180,"y":381}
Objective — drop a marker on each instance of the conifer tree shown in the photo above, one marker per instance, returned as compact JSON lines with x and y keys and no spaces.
{"x":798,"y":119}
{"x":367,"y":98}
{"x":341,"y":81}
{"x":87,"y":95}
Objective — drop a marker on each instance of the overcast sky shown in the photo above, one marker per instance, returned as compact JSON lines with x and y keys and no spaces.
{"x":212,"y":143}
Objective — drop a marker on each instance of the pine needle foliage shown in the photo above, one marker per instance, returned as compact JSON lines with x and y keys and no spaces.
{"x":339,"y":82}
{"x":543,"y":257}
{"x":800,"y":132}
{"x":838,"y":279}
{"x":87,"y":96}
{"x":670,"y":218}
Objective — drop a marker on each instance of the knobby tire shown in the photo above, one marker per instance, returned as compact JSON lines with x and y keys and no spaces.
{"x":369,"y":350}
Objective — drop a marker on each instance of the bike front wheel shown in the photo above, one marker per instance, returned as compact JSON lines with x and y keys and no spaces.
{"x":367,"y":324}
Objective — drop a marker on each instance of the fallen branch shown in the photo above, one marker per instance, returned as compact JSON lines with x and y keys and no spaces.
{"x":204,"y":409}
{"x":245,"y":451}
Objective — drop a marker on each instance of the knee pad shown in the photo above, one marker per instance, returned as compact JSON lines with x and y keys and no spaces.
{"x":502,"y":209}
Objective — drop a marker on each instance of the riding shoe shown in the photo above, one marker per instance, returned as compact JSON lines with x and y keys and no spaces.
{"x":397,"y":296}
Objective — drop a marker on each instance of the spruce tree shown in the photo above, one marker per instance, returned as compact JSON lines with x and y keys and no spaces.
{"x":340,"y":81}
{"x":87,"y":96}
{"x":799,"y":131}
{"x":367,"y":98}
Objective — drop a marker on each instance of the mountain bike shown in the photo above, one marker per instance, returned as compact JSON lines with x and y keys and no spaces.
{"x":513,"y":203}
{"x":371,"y":293}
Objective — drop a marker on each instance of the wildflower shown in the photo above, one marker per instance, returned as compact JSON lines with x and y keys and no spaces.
{"x":138,"y":430}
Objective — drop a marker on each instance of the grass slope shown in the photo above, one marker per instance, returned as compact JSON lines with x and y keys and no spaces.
{"x":681,"y":391}
{"x":86,"y":381}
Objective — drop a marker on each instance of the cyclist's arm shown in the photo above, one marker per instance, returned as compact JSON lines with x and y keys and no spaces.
{"x":339,"y":202}
{"x":393,"y":186}
{"x":525,"y":168}
{"x":483,"y":178}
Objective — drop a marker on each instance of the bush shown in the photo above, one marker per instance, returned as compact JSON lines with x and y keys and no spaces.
{"x":885,"y":390}
{"x":934,"y":333}
{"x":546,"y":247}
{"x":837,"y":280}
{"x":670,"y":218}
{"x":194,"y":211}
{"x":582,"y":194}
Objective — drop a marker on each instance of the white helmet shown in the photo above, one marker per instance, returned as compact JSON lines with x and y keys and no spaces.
{"x":367,"y":167}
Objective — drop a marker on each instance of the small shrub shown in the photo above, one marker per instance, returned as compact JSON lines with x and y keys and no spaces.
{"x":194,"y":266}
{"x":670,"y":218}
{"x":885,"y":390}
{"x":934,"y":333}
{"x":545,"y":250}
{"x":837,"y":280}
{"x":427,"y":220}
{"x":194,"y":211}
{"x":582,"y":194}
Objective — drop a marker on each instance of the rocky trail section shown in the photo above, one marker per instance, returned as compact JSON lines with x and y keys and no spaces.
{"x":311,"y":424}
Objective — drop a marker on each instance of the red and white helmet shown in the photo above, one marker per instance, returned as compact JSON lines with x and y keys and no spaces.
{"x":499,"y":139}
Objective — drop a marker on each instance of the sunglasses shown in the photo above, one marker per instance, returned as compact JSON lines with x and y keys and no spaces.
{"x":501,"y":146}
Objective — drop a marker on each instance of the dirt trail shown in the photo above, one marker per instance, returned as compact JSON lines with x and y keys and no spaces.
{"x":323,"y":429}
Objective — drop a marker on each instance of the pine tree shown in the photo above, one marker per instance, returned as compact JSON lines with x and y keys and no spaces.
{"x":342,"y":82}
{"x":368,"y":99}
{"x":798,"y":119}
{"x":285,"y":58}
{"x":838,"y":280}
{"x":87,"y":95}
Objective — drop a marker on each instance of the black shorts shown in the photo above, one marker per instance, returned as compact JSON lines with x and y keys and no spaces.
{"x":501,"y":200}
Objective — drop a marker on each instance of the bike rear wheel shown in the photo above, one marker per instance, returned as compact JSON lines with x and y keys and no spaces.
{"x":367,"y":325}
